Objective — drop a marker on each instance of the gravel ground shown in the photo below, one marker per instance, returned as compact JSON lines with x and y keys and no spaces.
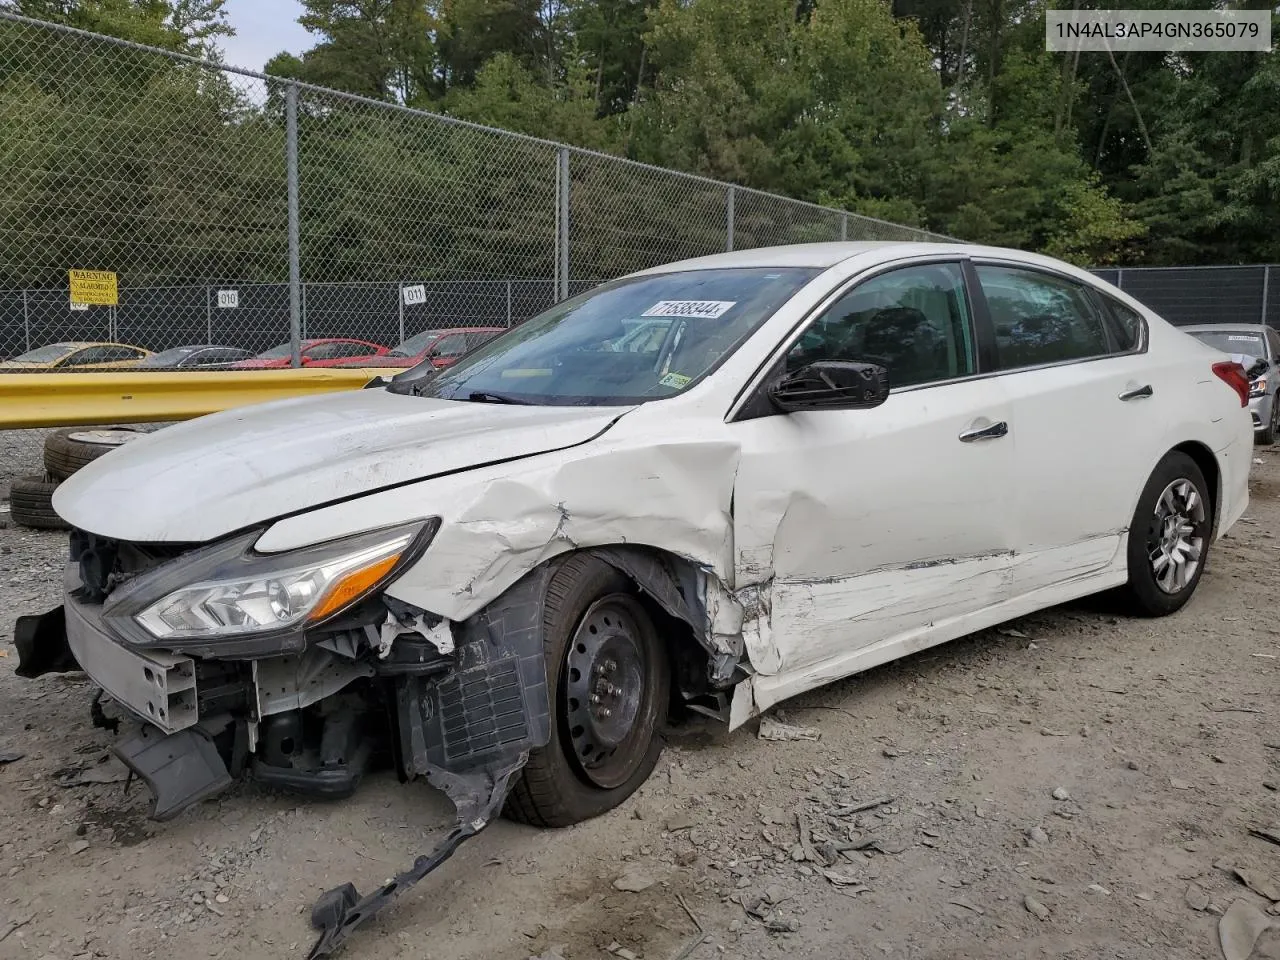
{"x":1073,"y":785}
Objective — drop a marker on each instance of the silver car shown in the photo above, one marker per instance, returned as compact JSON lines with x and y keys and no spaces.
{"x":1256,"y":347}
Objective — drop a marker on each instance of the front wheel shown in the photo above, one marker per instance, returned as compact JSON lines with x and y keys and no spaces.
{"x":609,"y":678}
{"x":1169,"y":537}
{"x":1267,"y":435}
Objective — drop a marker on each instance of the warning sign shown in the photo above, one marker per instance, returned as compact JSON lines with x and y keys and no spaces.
{"x":94,"y":286}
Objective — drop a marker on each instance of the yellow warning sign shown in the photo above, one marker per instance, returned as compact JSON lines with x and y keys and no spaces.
{"x":98,"y":287}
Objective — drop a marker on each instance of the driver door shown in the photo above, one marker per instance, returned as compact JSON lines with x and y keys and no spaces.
{"x":871,"y":533}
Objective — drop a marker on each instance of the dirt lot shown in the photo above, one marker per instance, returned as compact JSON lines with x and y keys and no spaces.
{"x":1152,"y":734}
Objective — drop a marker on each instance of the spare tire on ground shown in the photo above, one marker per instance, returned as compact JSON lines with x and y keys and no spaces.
{"x":31,"y":503}
{"x":66,"y":451}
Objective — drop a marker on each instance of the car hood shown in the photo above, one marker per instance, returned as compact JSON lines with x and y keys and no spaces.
{"x":203,"y":479}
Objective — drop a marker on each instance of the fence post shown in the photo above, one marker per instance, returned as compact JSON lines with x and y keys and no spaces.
{"x":562,"y":223}
{"x":508,"y":304}
{"x":295,"y":266}
{"x":728,"y":217}
{"x":844,"y":227}
{"x":400,"y":307}
{"x":1119,"y":278}
{"x":26,"y":321}
{"x":1266,"y":289}
{"x":208,"y":313}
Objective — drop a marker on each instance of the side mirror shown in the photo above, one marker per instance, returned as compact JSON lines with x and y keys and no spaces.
{"x":831,"y":385}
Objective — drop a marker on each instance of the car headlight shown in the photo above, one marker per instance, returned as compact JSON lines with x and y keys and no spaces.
{"x":230,"y":591}
{"x":1258,"y":388}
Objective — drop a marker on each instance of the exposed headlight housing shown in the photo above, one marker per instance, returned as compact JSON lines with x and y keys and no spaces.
{"x":1258,"y":388}
{"x":229,"y":591}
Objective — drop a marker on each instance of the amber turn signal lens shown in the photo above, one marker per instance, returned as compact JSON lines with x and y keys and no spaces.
{"x":352,"y":586}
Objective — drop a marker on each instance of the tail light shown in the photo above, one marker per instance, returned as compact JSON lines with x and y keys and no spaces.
{"x":1233,"y":375}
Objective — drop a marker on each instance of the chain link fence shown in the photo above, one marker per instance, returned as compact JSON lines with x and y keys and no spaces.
{"x":253,"y":212}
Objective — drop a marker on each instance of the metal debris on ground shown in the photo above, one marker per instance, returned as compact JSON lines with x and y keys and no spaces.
{"x":1240,"y":928}
{"x":774,"y":729}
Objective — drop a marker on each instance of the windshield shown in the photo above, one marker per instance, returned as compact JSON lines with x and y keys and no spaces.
{"x":415,"y":344}
{"x":1233,"y":341}
{"x":168,"y":358}
{"x":637,"y":339}
{"x":52,"y":352}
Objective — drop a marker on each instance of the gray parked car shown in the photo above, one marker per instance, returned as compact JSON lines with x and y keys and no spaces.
{"x":1257,"y":348}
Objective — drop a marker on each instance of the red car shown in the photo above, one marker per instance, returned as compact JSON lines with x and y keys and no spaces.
{"x":332,"y":352}
{"x":441,"y":347}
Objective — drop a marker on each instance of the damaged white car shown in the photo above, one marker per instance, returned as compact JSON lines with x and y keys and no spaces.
{"x":504,"y":575}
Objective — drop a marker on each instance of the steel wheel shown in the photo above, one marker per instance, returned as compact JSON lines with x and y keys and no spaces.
{"x":1175,"y":537}
{"x":604,"y":683}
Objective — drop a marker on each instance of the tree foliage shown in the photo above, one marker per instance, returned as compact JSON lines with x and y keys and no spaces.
{"x":945,"y":114}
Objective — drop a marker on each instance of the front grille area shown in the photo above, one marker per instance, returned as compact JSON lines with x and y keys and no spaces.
{"x":105,"y":563}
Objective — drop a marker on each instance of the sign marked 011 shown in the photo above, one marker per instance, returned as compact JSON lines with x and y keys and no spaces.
{"x":98,"y":287}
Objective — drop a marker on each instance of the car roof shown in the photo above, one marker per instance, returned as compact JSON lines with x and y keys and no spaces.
{"x":825,"y":255}
{"x":1224,"y":327}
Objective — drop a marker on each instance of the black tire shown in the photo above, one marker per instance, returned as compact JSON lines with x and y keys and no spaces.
{"x":1144,"y":593}
{"x":557,"y":787}
{"x":64,"y":455}
{"x":1267,"y":435}
{"x":31,"y":503}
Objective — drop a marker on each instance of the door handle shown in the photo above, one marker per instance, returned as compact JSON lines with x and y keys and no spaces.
{"x":994,"y":432}
{"x":1137,"y":393}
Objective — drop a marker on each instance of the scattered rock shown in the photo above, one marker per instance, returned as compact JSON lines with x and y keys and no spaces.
{"x":773,"y":729}
{"x":80,"y":846}
{"x":1035,"y":907}
{"x":1098,"y":889}
{"x":110,"y":771}
{"x":781,"y":925}
{"x":1240,"y":928}
{"x":1036,"y":835}
{"x":634,"y":881}
{"x":843,"y":876}
{"x":890,"y":753}
{"x":1046,"y":732}
{"x":1197,"y":898}
{"x":681,"y":821}
{"x":9,"y":756}
{"x":1261,"y":885}
{"x":1132,"y":765}
{"x":1060,"y":793}
{"x":1179,"y":784}
{"x":1146,"y":895}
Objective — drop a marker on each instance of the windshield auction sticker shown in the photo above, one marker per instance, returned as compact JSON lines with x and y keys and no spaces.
{"x":701,"y":309}
{"x":1179,"y":30}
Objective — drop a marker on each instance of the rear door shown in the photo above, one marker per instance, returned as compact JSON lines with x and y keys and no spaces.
{"x":1087,"y":406}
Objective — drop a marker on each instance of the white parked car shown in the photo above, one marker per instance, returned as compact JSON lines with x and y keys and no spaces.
{"x":509,"y":572}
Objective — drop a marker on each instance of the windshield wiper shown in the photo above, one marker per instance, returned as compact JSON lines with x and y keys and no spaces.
{"x":486,"y":396}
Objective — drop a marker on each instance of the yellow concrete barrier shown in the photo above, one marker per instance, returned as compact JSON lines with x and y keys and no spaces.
{"x":130,"y":396}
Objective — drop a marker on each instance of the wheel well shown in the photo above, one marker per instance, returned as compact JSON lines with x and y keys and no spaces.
{"x":1208,"y":464}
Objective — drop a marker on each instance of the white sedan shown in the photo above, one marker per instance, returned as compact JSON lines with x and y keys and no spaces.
{"x":816,"y":459}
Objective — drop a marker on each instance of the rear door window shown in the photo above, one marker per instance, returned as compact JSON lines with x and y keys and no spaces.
{"x":1040,"y":318}
{"x":454,"y":345}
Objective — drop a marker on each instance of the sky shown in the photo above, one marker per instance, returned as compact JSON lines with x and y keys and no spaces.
{"x":263,"y":28}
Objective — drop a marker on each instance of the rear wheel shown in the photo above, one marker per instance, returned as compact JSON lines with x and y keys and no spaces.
{"x":609,"y":678}
{"x":1169,"y":537}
